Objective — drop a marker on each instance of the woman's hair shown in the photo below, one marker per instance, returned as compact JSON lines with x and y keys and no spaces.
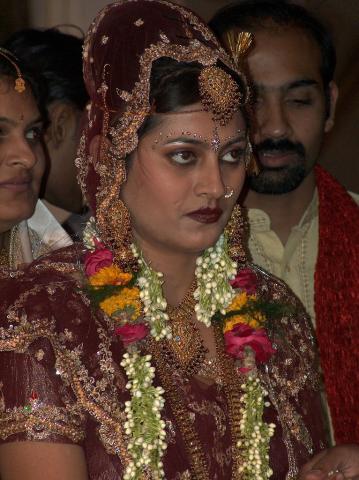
{"x":58,"y":57}
{"x":32,"y":80}
{"x":175,"y":85}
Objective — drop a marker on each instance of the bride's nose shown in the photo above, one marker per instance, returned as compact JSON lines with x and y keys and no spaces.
{"x":210,"y":182}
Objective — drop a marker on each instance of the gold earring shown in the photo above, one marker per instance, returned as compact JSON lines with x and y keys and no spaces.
{"x":250,"y":161}
{"x":228,"y":191}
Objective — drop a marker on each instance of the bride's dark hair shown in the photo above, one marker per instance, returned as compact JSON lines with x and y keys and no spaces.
{"x":175,"y":85}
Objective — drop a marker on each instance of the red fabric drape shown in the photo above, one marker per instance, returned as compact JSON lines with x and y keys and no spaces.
{"x":337,"y":303}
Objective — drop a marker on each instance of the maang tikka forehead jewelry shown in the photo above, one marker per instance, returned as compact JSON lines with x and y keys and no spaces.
{"x":220,"y":94}
{"x":19,"y":81}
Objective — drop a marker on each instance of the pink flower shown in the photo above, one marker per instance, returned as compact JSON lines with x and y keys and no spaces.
{"x":130,"y":333}
{"x":100,"y":258}
{"x":245,"y":280}
{"x":242,"y":335}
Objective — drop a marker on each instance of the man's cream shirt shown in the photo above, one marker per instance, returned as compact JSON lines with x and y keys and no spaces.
{"x":295,"y":261}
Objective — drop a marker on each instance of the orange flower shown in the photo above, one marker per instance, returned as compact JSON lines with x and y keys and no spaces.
{"x":239,"y":301}
{"x":126,"y":304}
{"x":245,"y":319}
{"x":110,"y":276}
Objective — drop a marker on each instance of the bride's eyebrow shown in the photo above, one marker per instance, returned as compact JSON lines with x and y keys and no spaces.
{"x":197,"y":139}
{"x":232,"y":141}
{"x":184,"y":139}
{"x":193,"y":139}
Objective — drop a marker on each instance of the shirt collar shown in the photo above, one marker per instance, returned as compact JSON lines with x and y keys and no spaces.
{"x":259,"y":220}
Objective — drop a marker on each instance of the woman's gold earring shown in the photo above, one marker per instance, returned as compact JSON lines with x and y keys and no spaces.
{"x":228,"y":191}
{"x":250,"y":161}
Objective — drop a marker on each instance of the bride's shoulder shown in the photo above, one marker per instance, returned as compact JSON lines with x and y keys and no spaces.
{"x":269,"y":285}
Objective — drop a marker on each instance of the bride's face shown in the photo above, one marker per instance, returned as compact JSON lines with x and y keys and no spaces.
{"x":178,"y":178}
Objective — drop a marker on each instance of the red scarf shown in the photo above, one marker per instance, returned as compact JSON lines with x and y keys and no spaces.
{"x":337,"y":303}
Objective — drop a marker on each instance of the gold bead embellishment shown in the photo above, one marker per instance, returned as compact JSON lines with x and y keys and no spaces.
{"x":219,"y":93}
{"x":238,"y":45}
{"x":19,"y":85}
{"x":19,"y":82}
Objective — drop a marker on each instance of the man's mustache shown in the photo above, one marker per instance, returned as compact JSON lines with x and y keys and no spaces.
{"x":283,"y":145}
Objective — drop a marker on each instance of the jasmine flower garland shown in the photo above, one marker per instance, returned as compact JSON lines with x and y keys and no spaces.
{"x":144,"y":424}
{"x":90,"y":235}
{"x":214,"y":271}
{"x":154,"y":304}
{"x":256,"y":433}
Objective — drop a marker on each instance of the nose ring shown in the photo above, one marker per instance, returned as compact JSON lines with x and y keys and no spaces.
{"x":228,"y":191}
{"x":333,"y":472}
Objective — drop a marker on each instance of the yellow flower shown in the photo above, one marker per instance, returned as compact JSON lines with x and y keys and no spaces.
{"x":255,"y":321}
{"x":239,"y":301}
{"x":110,"y":276}
{"x":246,"y":319}
{"x":127,"y":300}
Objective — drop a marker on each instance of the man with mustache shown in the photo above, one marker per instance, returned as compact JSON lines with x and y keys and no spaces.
{"x":304,"y":226}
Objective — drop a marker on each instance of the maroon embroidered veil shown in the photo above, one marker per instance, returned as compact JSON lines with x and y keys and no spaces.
{"x":59,"y":362}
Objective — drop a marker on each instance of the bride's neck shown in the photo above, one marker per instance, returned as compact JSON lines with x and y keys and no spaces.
{"x":178,"y":271}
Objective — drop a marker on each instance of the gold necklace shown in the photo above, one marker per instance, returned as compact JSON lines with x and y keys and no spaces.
{"x":5,"y":251}
{"x":4,"y":257}
{"x":9,"y":253}
{"x":232,"y":391}
{"x":231,"y":385}
{"x":185,"y":351}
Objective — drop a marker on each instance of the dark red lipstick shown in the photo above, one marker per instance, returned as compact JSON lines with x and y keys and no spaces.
{"x":206,"y":215}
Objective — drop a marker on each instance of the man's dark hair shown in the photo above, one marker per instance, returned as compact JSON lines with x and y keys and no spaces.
{"x":32,"y":80}
{"x":58,"y":57}
{"x":252,"y":15}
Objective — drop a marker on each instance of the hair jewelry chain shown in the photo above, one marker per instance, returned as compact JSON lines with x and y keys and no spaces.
{"x":19,"y":82}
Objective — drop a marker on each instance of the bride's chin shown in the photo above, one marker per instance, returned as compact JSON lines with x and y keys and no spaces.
{"x":199,"y":245}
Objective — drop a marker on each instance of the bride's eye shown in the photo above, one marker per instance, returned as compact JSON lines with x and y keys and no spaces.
{"x":182,"y":157}
{"x":233,"y":156}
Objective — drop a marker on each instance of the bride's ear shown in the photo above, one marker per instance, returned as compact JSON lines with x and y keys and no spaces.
{"x":98,"y":145}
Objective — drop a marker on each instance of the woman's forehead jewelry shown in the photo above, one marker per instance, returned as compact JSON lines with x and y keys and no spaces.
{"x":19,"y":81}
{"x":216,"y":141}
{"x":228,"y":191}
{"x":219,"y":93}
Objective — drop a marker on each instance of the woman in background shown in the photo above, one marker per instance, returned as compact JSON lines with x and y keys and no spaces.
{"x":22,"y":165}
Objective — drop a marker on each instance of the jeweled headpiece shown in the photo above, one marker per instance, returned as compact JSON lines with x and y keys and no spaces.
{"x":238,"y":45}
{"x":19,"y":81}
{"x":120,"y":48}
{"x":220,"y":94}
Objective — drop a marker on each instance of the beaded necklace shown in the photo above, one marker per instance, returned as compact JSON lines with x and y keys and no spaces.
{"x":8,"y":250}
